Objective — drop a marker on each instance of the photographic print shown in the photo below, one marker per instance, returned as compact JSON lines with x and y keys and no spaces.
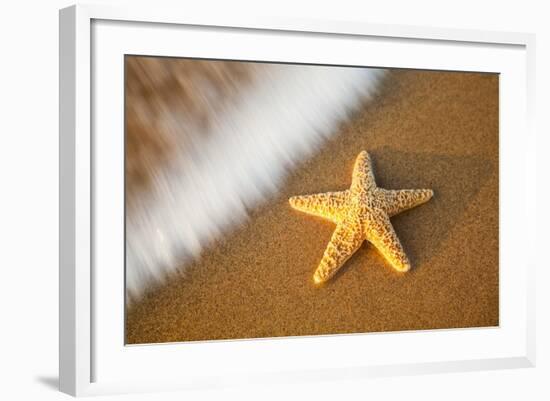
{"x":277,"y":200}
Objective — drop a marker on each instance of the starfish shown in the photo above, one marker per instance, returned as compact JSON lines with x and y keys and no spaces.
{"x":361,"y":213}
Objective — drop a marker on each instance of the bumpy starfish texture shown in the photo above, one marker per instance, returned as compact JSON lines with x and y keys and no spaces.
{"x":361,"y":213}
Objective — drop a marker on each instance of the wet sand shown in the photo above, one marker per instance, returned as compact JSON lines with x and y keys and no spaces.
{"x":424,"y":130}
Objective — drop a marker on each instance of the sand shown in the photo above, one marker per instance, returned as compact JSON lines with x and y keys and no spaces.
{"x":425,"y":130}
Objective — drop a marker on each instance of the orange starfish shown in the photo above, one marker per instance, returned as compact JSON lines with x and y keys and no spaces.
{"x":361,"y":213}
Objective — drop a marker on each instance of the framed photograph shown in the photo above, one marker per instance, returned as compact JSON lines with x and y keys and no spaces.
{"x":277,"y":200}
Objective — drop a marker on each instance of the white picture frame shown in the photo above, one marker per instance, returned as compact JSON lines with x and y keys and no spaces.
{"x":95,"y":361}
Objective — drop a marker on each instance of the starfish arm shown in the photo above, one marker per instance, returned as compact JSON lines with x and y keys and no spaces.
{"x":363,"y":177}
{"x":345,"y":240}
{"x":397,"y":201}
{"x":379,"y":231}
{"x":329,"y":205}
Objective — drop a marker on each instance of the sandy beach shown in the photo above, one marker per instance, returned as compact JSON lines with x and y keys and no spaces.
{"x":435,"y":130}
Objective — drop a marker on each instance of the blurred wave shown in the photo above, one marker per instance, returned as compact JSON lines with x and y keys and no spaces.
{"x":250,"y":143}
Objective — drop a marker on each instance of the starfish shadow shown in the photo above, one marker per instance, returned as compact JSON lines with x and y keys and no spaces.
{"x":456,"y":180}
{"x":349,"y":264}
